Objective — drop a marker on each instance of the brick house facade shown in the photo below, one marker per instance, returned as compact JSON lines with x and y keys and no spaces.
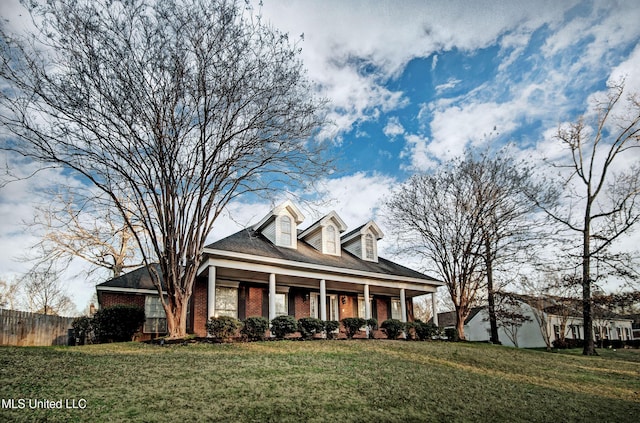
{"x":272,"y":268}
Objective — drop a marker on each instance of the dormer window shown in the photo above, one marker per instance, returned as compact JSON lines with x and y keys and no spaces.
{"x":324,"y":235}
{"x":363,"y":241}
{"x":331,"y":239}
{"x":285,"y":231}
{"x":280,"y":226}
{"x":369,"y":247}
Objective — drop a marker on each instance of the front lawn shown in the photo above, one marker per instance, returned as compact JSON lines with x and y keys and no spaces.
{"x":344,"y":381}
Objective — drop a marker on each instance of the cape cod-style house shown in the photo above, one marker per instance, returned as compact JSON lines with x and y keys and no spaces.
{"x":274,"y":268}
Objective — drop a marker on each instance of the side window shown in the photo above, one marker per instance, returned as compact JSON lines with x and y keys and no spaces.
{"x":155,"y":318}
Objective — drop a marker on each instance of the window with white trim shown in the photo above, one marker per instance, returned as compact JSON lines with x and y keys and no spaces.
{"x":396,"y":309}
{"x":361,"y":306}
{"x":226,"y":302}
{"x":282,"y":304}
{"x":331,"y":240}
{"x":154,"y":315}
{"x":369,"y":247}
{"x":285,"y":231}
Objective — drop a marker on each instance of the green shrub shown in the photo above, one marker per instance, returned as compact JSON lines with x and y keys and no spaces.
{"x":282,"y":326}
{"x":330,"y":326}
{"x":117,"y":323}
{"x":451,"y":334}
{"x":223,"y":327}
{"x":373,"y":325}
{"x":425,"y":331}
{"x":254,"y":328}
{"x":83,"y":329}
{"x":392,"y":328}
{"x":309,"y":326}
{"x":352,"y":325}
{"x":410,"y":330}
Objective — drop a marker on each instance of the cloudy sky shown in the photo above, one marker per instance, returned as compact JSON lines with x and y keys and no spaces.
{"x":413,"y":83}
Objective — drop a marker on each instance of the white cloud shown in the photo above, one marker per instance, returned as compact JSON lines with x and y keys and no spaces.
{"x":353,"y":48}
{"x":451,"y":83}
{"x":393,"y":127}
{"x":417,"y":151}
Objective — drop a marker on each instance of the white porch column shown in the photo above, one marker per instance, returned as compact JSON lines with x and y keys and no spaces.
{"x":211,"y":292}
{"x":272,"y":296}
{"x":434,"y":306}
{"x":403,"y":310}
{"x":323,"y":300}
{"x":367,"y":304}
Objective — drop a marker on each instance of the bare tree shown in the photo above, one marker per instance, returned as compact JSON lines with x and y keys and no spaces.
{"x":436,"y":217}
{"x":422,"y":308}
{"x":178,"y":106}
{"x":72,"y":228}
{"x":45,"y":294}
{"x":507,"y":215}
{"x":9,"y":294}
{"x":601,"y":202}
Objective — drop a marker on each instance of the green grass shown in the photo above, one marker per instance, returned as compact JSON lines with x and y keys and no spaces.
{"x":321,"y":381}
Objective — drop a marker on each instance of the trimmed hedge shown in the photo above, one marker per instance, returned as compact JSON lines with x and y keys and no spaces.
{"x":254,"y":328}
{"x":223,"y":327}
{"x":117,"y":323}
{"x":425,"y":331}
{"x":309,"y":326}
{"x":352,"y":325}
{"x":330,"y":326}
{"x":282,"y":326}
{"x":83,"y":329}
{"x":392,"y":328}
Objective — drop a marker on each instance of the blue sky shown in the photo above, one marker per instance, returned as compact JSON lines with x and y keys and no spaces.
{"x":411,"y":84}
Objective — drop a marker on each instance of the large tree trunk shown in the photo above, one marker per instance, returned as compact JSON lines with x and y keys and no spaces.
{"x":493,"y":323}
{"x":461,"y":315}
{"x":589,"y":348}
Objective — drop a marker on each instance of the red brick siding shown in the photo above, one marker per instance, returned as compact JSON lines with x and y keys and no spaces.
{"x":381,"y":307}
{"x":110,"y":299}
{"x":303,"y":305}
{"x":348,"y":306}
{"x":254,"y":301}
{"x":199,"y":300}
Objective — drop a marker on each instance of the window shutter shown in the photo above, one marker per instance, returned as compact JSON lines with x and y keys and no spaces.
{"x":242,"y":302}
{"x":292,"y":302}
{"x":265,"y":303}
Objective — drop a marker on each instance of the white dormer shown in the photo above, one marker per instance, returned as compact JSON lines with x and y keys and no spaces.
{"x":363,"y":241}
{"x":324,"y":235}
{"x":280,"y":226}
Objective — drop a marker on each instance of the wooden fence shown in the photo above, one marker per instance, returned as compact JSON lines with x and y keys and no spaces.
{"x":22,"y":328}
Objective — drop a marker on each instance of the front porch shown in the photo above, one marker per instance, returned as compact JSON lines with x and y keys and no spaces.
{"x":242,"y":289}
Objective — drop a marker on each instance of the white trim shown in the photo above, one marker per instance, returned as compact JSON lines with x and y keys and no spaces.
{"x":227,"y":284}
{"x":129,"y":290}
{"x":339,"y":274}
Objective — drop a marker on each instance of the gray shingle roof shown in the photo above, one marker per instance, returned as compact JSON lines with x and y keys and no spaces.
{"x":137,"y":279}
{"x":248,"y":241}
